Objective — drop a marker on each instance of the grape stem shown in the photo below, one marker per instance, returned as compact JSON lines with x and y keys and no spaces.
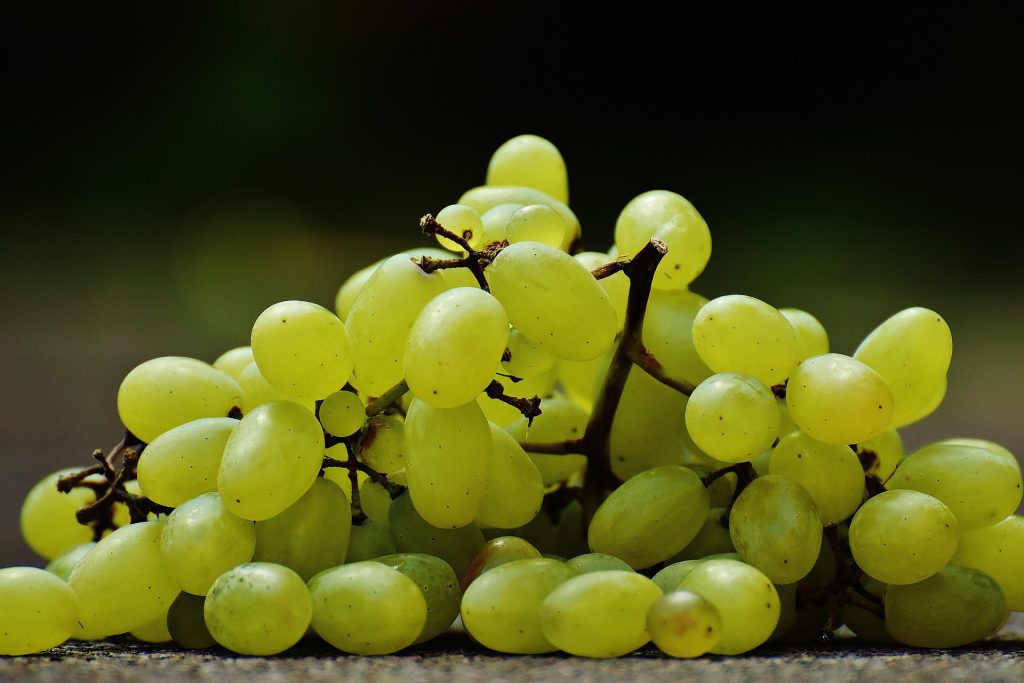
{"x":387,"y":399}
{"x":475,"y":260}
{"x":529,"y":407}
{"x":609,"y":269}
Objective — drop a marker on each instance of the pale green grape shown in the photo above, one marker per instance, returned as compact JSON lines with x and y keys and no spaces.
{"x":439,"y":585}
{"x":673,"y":220}
{"x":257,"y":391}
{"x":527,"y":358}
{"x":554,"y":300}
{"x":776,"y":528}
{"x":258,"y":609}
{"x":579,"y":380}
{"x":64,"y":564}
{"x":651,"y":517}
{"x":448,"y":462}
{"x":350,"y":289}
{"x":838,"y":399}
{"x":597,"y":562}
{"x":413,"y":534}
{"x":956,"y":606}
{"x":985,"y":445}
{"x":979,"y":486}
{"x":738,"y":333}
{"x":668,"y":334}
{"x":669,"y":578}
{"x":683,"y":624}
{"x":496,"y":552}
{"x":998,"y":550}
{"x":40,"y":611}
{"x":560,"y":420}
{"x":901,"y":537}
{"x":234,"y":361}
{"x":911,"y":351}
{"x":487,"y":197}
{"x":311,"y":535}
{"x":495,"y":219}
{"x":375,"y":500}
{"x":123,"y":582}
{"x":536,"y":223}
{"x":302,"y":349}
{"x":465,"y":222}
{"x":733,"y":417}
{"x":183,"y":462}
{"x":201,"y":540}
{"x":154,"y":631}
{"x":712,"y":539}
{"x":810,"y":333}
{"x":367,"y":608}
{"x":186,"y":624}
{"x":515,"y":489}
{"x":830,"y":473}
{"x":746,"y":600}
{"x":383,"y":445}
{"x":615,"y":286}
{"x":342,"y":413}
{"x":47,"y":518}
{"x":530,"y":161}
{"x":163,"y":393}
{"x":270,"y":460}
{"x":601,"y":614}
{"x":371,"y":539}
{"x":887,"y":448}
{"x":454,"y":346}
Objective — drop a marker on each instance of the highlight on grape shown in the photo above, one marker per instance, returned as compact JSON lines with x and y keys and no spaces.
{"x":569,"y":450}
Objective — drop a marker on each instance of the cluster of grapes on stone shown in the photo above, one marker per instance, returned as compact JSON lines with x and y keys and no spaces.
{"x":568,"y":450}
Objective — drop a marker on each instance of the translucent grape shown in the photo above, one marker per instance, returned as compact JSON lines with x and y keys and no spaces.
{"x":47,"y":518}
{"x":350,"y":289}
{"x":371,"y":539}
{"x":383,"y":445}
{"x":375,"y":500}
{"x":579,"y":380}
{"x":733,"y":417}
{"x":515,"y":489}
{"x":342,"y":413}
{"x":886,"y":453}
{"x":496,"y":552}
{"x":439,"y":585}
{"x":530,"y":161}
{"x":668,"y":334}
{"x":413,"y":534}
{"x":597,"y":562}
{"x":527,"y":358}
{"x":234,"y":361}
{"x":830,"y":473}
{"x":810,"y":333}
{"x":536,"y":223}
{"x":39,"y":611}
{"x":997,"y":550}
{"x":560,"y":420}
{"x":257,"y":391}
{"x":64,"y":564}
{"x":495,"y":219}
{"x":186,"y":624}
{"x":615,"y":286}
{"x":154,"y":631}
{"x":669,"y":578}
{"x":712,"y":539}
{"x":488,"y":197}
{"x":182,"y":463}
{"x":465,"y":222}
{"x":683,"y":624}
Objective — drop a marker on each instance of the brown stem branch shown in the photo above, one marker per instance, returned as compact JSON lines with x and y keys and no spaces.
{"x":474,"y":260}
{"x":646,"y":361}
{"x":553,"y":447}
{"x":609,"y":269}
{"x":529,"y":407}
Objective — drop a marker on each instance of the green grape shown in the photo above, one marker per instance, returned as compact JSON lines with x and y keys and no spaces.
{"x":47,"y":518}
{"x":683,"y":624}
{"x":733,"y":417}
{"x":302,"y":349}
{"x":182,"y":463}
{"x":530,"y":161}
{"x":810,"y":333}
{"x":838,"y":399}
{"x":64,"y":564}
{"x":439,"y":585}
{"x":413,"y":534}
{"x":527,"y":358}
{"x":201,"y":540}
{"x":901,"y":537}
{"x":615,"y":286}
{"x":342,"y":413}
{"x":311,"y":535}
{"x":465,"y":222}
{"x":651,"y":517}
{"x":712,"y":539}
{"x":496,"y":552}
{"x":515,"y":489}
{"x":979,"y":486}
{"x":454,"y":346}
{"x":503,"y":414}
{"x":570,"y":534}
{"x":371,"y":539}
{"x":270,"y":460}
{"x":911,"y":351}
{"x":597,"y":562}
{"x":997,"y":550}
{"x":739,"y":333}
{"x":39,"y":611}
{"x":865,"y":624}
{"x":956,"y":606}
{"x":673,"y":220}
{"x":186,"y":624}
{"x":487,"y":197}
{"x":383,"y":444}
{"x":448,"y":462}
{"x":234,"y":361}
{"x":554,"y":300}
{"x":984,"y":445}
{"x":560,"y":420}
{"x":375,"y":500}
{"x":831,"y":473}
{"x":579,"y":380}
{"x":350,"y":289}
{"x":164,"y":393}
{"x":367,"y":608}
{"x":495,"y":219}
{"x":536,"y":223}
{"x":601,"y":614}
{"x":541,"y":532}
{"x":154,"y":631}
{"x":887,"y":448}
{"x":668,"y":334}
{"x":257,"y":391}
{"x":669,"y":578}
{"x":258,"y":609}
{"x":776,"y":528}
{"x":123,"y":582}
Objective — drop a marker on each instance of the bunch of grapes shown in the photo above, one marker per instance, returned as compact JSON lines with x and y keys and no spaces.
{"x":569,"y":450}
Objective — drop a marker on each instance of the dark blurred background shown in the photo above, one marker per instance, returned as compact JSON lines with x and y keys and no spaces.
{"x":172,"y":169}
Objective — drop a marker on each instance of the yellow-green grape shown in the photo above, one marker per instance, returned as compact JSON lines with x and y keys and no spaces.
{"x":495,"y":219}
{"x":465,"y":222}
{"x":64,"y":564}
{"x":579,"y":380}
{"x":503,"y":414}
{"x":712,"y":539}
{"x":601,"y":614}
{"x":615,"y":286}
{"x":515,"y":489}
{"x":830,"y":473}
{"x":668,"y":334}
{"x":257,"y":390}
{"x":733,"y":417}
{"x":383,"y":445}
{"x":985,"y":445}
{"x":530,"y":161}
{"x":413,"y":534}
{"x":811,"y":334}
{"x":776,"y":528}
{"x":887,"y":449}
{"x":526,"y":358}
{"x":956,"y":606}
{"x":448,"y":462}
{"x":154,"y":631}
{"x":496,"y":552}
{"x":838,"y":399}
{"x":487,"y":197}
{"x":166,"y":392}
{"x":934,"y":400}
{"x":979,"y":486}
{"x":672,"y":219}
{"x":901,"y":537}
{"x":454,"y":346}
{"x":597,"y":562}
{"x":911,"y":351}
{"x":258,"y":609}
{"x":561,"y":420}
{"x":669,"y":578}
{"x":536,"y":223}
{"x":186,"y":624}
{"x":864,"y":623}
{"x":683,"y":624}
{"x":997,"y":550}
{"x":554,"y":300}
{"x":341,"y":475}
{"x":570,"y":539}
{"x":270,"y":460}
{"x":342,"y":413}
{"x":651,"y":517}
{"x":302,"y":349}
{"x":350,"y":289}
{"x":40,"y":611}
{"x":47,"y":519}
{"x":367,"y":608}
{"x":375,"y":500}
{"x":201,"y":540}
{"x":738,"y":333}
{"x":123,"y":582}
{"x":371,"y":539}
{"x":182,"y":463}
{"x":439,"y":585}
{"x":501,"y":609}
{"x":234,"y":361}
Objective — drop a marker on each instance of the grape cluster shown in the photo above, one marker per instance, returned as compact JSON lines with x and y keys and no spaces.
{"x":569,"y":450}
